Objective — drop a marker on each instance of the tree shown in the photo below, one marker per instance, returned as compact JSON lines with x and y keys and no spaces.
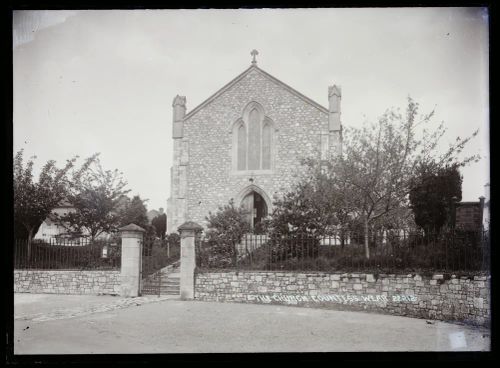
{"x":433,"y":196}
{"x":35,"y":200}
{"x":225,"y":231}
{"x":160,"y":224}
{"x":135,"y":212}
{"x":380,"y":161}
{"x":96,"y":196}
{"x":20,"y":231}
{"x":372,"y":179}
{"x":301,"y":212}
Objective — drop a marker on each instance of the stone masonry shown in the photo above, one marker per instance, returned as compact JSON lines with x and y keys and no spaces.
{"x":203,"y":175}
{"x":67,"y":282}
{"x":441,"y":297}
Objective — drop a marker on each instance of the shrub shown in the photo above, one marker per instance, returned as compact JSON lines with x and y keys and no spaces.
{"x":225,"y":231}
{"x":173,"y":239}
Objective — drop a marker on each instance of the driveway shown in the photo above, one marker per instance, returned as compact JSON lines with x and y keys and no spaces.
{"x":88,"y":325}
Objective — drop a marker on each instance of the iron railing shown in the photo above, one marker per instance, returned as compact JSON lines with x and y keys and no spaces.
{"x":67,"y":254}
{"x":453,"y":250}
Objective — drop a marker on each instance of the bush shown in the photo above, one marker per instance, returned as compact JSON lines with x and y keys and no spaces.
{"x":457,"y":251}
{"x":214,"y":256}
{"x":225,"y":231}
{"x":174,"y":239}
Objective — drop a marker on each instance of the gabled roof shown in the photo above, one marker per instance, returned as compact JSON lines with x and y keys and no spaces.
{"x":269,"y":77}
{"x":132,"y":227}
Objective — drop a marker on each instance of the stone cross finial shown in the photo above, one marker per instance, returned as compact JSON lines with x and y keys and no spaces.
{"x":254,"y":54}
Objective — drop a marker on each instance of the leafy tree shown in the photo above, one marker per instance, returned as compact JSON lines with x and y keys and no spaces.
{"x":433,"y":194}
{"x":135,"y":212}
{"x":160,"y":224}
{"x":20,"y":231}
{"x":379,"y":161}
{"x":300,"y":212}
{"x":371,"y":181}
{"x":96,"y":196}
{"x":226,"y":229}
{"x":35,"y":200}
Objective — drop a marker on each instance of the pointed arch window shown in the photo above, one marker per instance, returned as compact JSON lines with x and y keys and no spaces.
{"x":254,"y":126}
{"x":242,"y":146}
{"x":253,"y":140}
{"x":266,"y":146}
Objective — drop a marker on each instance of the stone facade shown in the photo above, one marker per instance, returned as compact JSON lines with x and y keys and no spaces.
{"x":67,"y":282}
{"x":441,"y":297}
{"x":204,"y":175}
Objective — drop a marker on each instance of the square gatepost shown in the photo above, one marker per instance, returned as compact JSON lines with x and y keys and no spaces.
{"x":131,"y":260}
{"x":188,"y":232}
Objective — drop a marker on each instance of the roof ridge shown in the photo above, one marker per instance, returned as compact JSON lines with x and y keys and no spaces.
{"x":294,"y":91}
{"x":228,"y":85}
{"x":219,"y":92}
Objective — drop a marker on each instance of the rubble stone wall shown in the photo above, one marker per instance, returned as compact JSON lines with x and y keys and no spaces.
{"x":67,"y":282}
{"x":442,"y":297}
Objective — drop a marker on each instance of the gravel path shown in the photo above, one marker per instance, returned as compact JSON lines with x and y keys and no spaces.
{"x":51,"y":306}
{"x":154,"y":325}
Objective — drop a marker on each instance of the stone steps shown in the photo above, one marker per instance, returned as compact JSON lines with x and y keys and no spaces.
{"x":162,"y":289}
{"x":168,"y":284}
{"x":164,"y":282}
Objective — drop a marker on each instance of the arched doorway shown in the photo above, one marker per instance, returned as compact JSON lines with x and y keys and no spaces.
{"x":256,"y":209}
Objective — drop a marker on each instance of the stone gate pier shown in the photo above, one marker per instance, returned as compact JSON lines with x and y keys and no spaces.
{"x":188,"y":231}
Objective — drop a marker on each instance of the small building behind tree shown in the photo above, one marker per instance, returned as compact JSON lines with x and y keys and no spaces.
{"x":469,"y":215}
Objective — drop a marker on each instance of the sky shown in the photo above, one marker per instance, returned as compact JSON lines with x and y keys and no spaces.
{"x":103,"y":81}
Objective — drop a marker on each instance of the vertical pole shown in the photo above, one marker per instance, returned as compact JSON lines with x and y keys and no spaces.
{"x":159,"y":283}
{"x":268,"y":252}
{"x":131,"y":260}
{"x":188,"y":231}
{"x":50,"y":256}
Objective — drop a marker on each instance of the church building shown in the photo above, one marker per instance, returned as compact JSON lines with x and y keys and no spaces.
{"x":246,"y":142}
